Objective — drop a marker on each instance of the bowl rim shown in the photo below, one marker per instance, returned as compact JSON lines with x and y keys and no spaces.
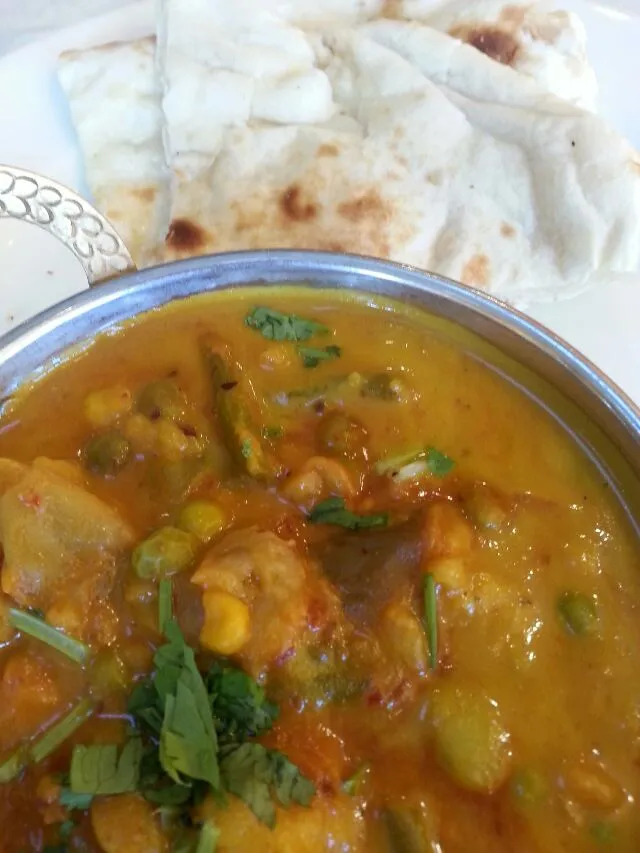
{"x":249,"y":267}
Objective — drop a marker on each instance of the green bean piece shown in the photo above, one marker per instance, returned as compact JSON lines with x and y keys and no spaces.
{"x":162,"y":399}
{"x":578,"y":613}
{"x":107,"y":454}
{"x":603,"y":832}
{"x":471,"y":742}
{"x":166,"y":552}
{"x":232,"y":403}
{"x":342,"y":435}
{"x":408,"y":830}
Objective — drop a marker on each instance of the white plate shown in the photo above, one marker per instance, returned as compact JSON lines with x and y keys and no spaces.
{"x":36,"y":134}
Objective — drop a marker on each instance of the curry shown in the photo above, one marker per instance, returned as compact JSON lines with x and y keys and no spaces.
{"x":288,"y":570}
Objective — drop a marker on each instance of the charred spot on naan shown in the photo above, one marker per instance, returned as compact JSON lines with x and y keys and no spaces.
{"x":494,"y":42}
{"x":186,"y":237}
{"x":328,"y":149}
{"x":370,"y":205}
{"x":507,"y":230}
{"x":295,"y":207}
{"x":476,"y":271}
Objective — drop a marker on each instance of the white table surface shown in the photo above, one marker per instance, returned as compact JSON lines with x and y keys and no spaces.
{"x":22,"y":21}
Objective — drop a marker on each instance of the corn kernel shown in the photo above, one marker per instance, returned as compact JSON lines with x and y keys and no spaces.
{"x":141,"y":433}
{"x":103,"y":408}
{"x":205,"y":519}
{"x":227,"y":623}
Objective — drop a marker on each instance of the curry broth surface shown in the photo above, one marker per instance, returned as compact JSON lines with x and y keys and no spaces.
{"x":569,"y":705}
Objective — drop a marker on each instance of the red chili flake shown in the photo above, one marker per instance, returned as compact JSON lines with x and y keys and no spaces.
{"x":227,"y":386}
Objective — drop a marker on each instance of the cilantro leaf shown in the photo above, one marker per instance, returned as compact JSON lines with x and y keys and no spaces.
{"x":276,"y":326}
{"x":97,"y":769}
{"x":240,"y":707}
{"x":312,"y":357}
{"x":353,"y":784}
{"x":272,"y":432}
{"x":246,"y":772}
{"x":415,"y":463}
{"x":332,"y":511}
{"x":208,"y":839}
{"x":438,"y":463}
{"x":70,"y":800}
{"x":34,"y":625}
{"x":188,"y":743}
{"x":256,"y":774}
{"x":289,"y":784}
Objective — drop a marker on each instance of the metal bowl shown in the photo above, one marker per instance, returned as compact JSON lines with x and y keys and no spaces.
{"x":601,"y":417}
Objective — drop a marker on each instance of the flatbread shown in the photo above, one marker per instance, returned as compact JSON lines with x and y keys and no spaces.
{"x":114,"y":100}
{"x":360,"y":147}
{"x":539,"y":41}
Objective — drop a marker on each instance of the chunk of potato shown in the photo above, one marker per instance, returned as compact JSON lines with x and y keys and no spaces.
{"x":333,"y":823}
{"x":54,"y":533}
{"x":446,"y":532}
{"x":126,"y":824}
{"x":471,"y":741}
{"x":403,"y":637}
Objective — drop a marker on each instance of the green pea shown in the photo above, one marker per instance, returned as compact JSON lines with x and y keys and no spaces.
{"x":107,"y":454}
{"x":166,"y":552}
{"x":471,"y":742}
{"x":578,"y":613}
{"x":486,"y":508}
{"x":602,"y":831}
{"x":162,"y":399}
{"x":205,"y":519}
{"x":528,"y":788}
{"x":341,"y":435}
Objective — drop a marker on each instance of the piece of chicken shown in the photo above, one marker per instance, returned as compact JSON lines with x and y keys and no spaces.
{"x":56,"y":536}
{"x":269,"y":577}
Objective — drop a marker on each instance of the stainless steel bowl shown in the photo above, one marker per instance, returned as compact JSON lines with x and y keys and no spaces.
{"x":600,"y":415}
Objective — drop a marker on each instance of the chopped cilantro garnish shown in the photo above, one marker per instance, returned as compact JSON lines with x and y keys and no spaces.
{"x":256,"y":774}
{"x":208,"y":838}
{"x":70,"y":800}
{"x":240,"y":706}
{"x":165,"y":602}
{"x":37,"y":628}
{"x":332,"y":511}
{"x":192,"y":726}
{"x":312,"y":357}
{"x":276,"y":326}
{"x":272,"y":432}
{"x":414,"y":463}
{"x":98,"y":769}
{"x":246,"y":448}
{"x":353,"y":784}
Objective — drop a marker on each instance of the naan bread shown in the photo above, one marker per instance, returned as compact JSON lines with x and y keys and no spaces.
{"x":446,"y":160}
{"x":115,"y":106}
{"x":535,"y":39}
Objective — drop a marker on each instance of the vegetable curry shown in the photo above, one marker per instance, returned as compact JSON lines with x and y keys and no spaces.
{"x":288,"y":570}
